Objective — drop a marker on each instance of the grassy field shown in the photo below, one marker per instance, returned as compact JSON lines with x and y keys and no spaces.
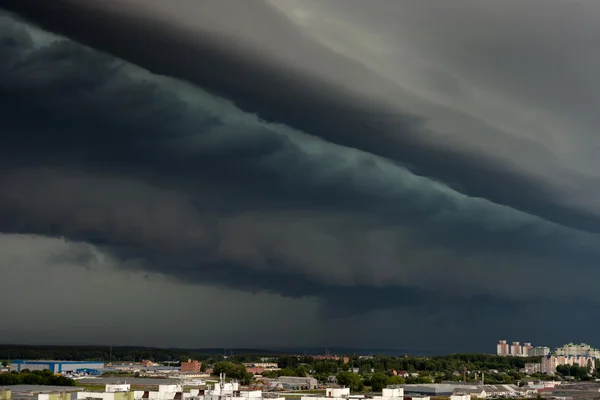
{"x":91,"y":388}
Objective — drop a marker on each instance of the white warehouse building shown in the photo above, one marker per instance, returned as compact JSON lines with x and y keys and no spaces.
{"x":391,"y":392}
{"x":58,"y":367}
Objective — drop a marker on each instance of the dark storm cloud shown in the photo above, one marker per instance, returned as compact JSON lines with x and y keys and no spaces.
{"x":187,"y":188}
{"x":170,"y":179}
{"x":264,"y":84}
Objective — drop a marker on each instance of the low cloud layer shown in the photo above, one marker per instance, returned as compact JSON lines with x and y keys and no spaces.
{"x":202,"y":187}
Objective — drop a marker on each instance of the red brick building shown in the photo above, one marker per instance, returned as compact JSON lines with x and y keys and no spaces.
{"x":191,"y":366}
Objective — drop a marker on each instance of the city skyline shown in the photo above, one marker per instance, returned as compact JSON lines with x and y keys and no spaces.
{"x":287,"y":173}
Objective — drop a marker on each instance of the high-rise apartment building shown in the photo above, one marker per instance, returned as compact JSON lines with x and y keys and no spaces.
{"x":539,"y":351}
{"x":502,"y":348}
{"x":549,"y":363}
{"x":533,"y":368}
{"x":582,"y":349}
{"x":516,"y":349}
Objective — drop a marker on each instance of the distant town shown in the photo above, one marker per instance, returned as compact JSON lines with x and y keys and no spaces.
{"x":516,"y":371}
{"x":570,"y":355}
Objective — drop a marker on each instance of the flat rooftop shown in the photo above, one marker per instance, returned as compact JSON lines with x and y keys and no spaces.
{"x":55,"y":361}
{"x":132,"y":381}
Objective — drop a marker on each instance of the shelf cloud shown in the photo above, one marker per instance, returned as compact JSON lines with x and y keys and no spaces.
{"x":402,"y":160}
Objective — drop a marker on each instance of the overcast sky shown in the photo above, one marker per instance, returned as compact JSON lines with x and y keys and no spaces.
{"x":418,"y":175}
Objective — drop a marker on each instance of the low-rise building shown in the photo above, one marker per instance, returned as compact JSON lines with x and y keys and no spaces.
{"x":220,"y":391}
{"x":265,"y":365}
{"x":149,"y":363}
{"x":47,"y":392}
{"x":129,"y":395}
{"x":462,"y":389}
{"x":191,"y":366}
{"x":432,"y":389}
{"x":392,"y":392}
{"x":337,"y":393}
{"x":255,"y":370}
{"x":58,"y":367}
{"x":296,"y":382}
{"x":492,"y":391}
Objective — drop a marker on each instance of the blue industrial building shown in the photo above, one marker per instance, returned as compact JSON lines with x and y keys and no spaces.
{"x":57,"y":367}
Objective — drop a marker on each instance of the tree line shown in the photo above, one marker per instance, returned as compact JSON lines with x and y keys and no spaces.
{"x":378,"y":371}
{"x":127,"y":353}
{"x":378,"y":363}
{"x":448,"y":367}
{"x":27,"y":377}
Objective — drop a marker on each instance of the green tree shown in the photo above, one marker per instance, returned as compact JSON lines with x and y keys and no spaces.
{"x":270,"y":374}
{"x":45,"y":377}
{"x":288,"y":371}
{"x":301,"y":371}
{"x":396,"y":380}
{"x":233,"y":370}
{"x":424,"y":379}
{"x":350,"y":380}
{"x":287,"y":361}
{"x":379,"y":380}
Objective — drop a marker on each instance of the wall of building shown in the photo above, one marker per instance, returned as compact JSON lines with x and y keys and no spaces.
{"x":581,"y":349}
{"x":539,"y":351}
{"x":263,"y":365}
{"x":54,"y":366}
{"x":533,"y":368}
{"x":54,"y":396}
{"x":118,"y":387}
{"x":124,"y":395}
{"x":337,"y":392}
{"x":393,"y":392}
{"x":502,"y":348}
{"x":96,"y":395}
{"x":298,"y":382}
{"x":191,"y":366}
{"x":549,"y":363}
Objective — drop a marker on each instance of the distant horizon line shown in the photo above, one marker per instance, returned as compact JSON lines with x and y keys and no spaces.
{"x":322,"y":350}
